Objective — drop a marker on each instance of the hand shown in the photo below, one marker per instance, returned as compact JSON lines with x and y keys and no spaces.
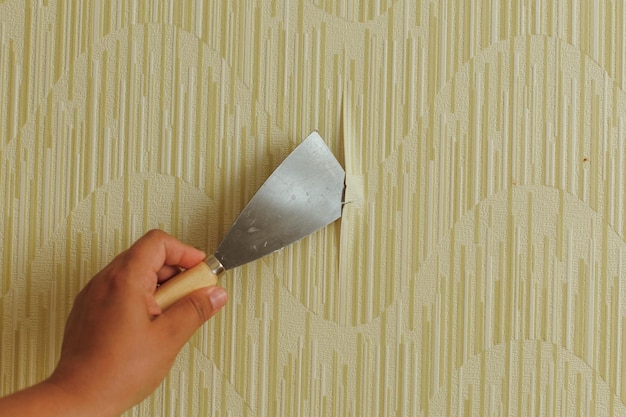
{"x":118,"y":344}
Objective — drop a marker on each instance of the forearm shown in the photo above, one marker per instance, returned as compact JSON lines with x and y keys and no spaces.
{"x":47,"y":400}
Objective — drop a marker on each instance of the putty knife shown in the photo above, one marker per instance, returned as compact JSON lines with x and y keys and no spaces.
{"x":303,"y":195}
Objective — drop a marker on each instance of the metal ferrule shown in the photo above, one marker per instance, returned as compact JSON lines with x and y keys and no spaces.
{"x":215,"y":265}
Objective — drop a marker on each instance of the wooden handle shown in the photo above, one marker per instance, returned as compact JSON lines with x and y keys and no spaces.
{"x":185,"y":283}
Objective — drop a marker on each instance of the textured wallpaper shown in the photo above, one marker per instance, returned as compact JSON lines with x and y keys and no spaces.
{"x":478,"y":269}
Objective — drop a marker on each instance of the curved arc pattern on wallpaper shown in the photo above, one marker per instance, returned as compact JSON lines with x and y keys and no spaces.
{"x":75,"y":155}
{"x":107,"y":29}
{"x":495,"y":145}
{"x":436,"y":304}
{"x":345,"y":10}
{"x":484,"y":169}
{"x":491,"y":289}
{"x":180,"y":19}
{"x":505,"y":387}
{"x":432,"y":46}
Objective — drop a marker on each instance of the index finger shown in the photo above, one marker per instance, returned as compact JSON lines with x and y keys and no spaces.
{"x":156,"y":248}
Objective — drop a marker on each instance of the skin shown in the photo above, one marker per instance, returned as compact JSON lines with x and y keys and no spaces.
{"x":118,"y":344}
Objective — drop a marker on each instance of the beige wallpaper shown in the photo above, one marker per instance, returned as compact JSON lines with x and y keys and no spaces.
{"x":479,"y":268}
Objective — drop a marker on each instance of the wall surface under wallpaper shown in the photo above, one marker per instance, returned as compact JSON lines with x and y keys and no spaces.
{"x":479,"y":268}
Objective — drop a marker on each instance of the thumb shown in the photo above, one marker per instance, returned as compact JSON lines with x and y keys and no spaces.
{"x":189,"y":313}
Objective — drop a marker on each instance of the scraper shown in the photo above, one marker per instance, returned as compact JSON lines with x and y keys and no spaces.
{"x":304,"y":194}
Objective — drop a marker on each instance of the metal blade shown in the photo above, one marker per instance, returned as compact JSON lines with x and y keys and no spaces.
{"x":302,"y":195}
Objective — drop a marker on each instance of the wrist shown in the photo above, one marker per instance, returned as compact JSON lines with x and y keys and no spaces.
{"x":43,"y":399}
{"x":75,"y":400}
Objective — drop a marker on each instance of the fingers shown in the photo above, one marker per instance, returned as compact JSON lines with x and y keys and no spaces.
{"x":188,"y":314}
{"x":157,"y":248}
{"x":166,"y":272}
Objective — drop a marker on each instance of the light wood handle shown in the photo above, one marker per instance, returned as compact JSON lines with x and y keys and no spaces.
{"x":185,"y":283}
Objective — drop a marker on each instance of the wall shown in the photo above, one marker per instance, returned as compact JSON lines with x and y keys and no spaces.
{"x":478,"y":268}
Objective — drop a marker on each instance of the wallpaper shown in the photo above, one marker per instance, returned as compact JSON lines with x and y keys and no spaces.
{"x":479,"y":266}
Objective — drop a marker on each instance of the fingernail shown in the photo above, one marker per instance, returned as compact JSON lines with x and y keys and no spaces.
{"x":218,"y":297}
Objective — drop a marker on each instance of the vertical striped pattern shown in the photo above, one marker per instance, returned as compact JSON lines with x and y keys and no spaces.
{"x":479,"y":265}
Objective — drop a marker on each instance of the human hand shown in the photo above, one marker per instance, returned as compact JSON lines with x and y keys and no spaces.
{"x":118,"y":344}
